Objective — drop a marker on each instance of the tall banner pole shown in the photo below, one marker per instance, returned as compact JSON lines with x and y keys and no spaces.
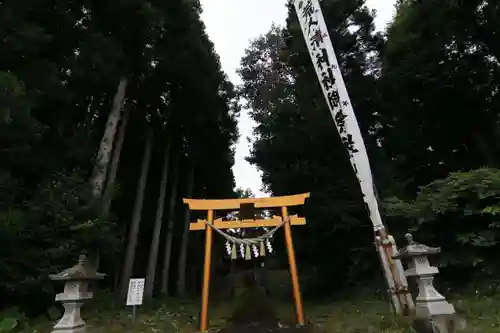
{"x":332,"y":84}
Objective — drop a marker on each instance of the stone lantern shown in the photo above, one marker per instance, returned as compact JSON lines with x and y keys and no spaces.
{"x":432,"y":310}
{"x":77,"y":280}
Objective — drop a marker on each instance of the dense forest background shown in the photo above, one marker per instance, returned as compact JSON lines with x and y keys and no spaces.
{"x":425,"y":94}
{"x":111,"y":112}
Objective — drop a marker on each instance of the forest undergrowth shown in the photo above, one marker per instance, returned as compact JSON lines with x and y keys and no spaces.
{"x":360,"y":315}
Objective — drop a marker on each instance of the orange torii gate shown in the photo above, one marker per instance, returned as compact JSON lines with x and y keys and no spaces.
{"x":287,"y":221}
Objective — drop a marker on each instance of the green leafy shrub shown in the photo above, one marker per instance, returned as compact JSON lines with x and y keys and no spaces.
{"x":459,"y":213}
{"x":11,"y":319}
{"x":59,"y":219}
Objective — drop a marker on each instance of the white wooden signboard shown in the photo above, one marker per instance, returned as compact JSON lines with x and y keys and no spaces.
{"x":332,"y":84}
{"x":135,"y":291}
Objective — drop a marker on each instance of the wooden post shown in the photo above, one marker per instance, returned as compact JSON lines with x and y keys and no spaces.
{"x":401,"y":303}
{"x":396,"y":304}
{"x":206,"y":274}
{"x":293,"y":268}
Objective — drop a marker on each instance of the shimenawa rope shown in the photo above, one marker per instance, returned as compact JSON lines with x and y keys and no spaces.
{"x":247,"y":242}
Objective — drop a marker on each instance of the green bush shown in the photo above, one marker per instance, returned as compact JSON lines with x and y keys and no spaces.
{"x":11,"y":319}
{"x":461,"y":215}
{"x":45,"y":235}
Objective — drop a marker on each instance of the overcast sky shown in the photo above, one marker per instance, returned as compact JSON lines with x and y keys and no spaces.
{"x":231,"y":24}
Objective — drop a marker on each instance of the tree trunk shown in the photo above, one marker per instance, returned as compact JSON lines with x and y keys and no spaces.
{"x":110,"y":183}
{"x":136,"y":216}
{"x":181,"y":273}
{"x":155,"y":243}
{"x":99,"y":174}
{"x":170,"y":227}
{"x":115,"y":161}
{"x":101,"y":167}
{"x":484,"y":148}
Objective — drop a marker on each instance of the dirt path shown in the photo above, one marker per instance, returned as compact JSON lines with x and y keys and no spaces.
{"x":256,"y":315}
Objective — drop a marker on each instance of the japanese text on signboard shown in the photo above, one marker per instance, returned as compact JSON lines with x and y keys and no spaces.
{"x":135,"y":291}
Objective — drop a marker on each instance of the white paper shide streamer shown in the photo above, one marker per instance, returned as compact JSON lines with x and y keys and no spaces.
{"x":325,"y":63}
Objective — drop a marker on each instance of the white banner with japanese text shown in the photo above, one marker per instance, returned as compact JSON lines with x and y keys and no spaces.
{"x":329,"y":75}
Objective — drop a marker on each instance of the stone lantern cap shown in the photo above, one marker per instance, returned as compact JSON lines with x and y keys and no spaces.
{"x":78,"y":272}
{"x":414,"y":249}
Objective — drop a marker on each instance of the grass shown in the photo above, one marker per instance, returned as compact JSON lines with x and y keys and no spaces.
{"x":357,"y":316}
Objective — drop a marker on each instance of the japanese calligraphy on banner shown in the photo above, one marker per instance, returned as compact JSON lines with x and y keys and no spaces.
{"x":325,"y":63}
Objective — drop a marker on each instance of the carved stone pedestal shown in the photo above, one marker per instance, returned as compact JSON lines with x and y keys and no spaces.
{"x":71,"y":320}
{"x":429,"y":301}
{"x":439,"y":324}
